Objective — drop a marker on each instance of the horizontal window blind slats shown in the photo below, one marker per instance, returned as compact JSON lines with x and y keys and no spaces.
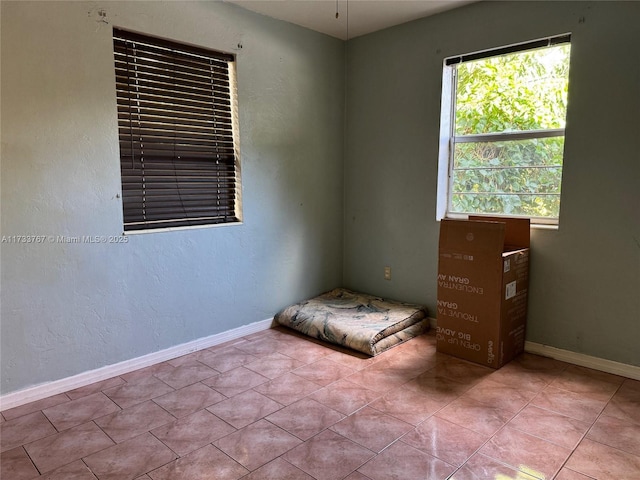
{"x":164,"y":100}
{"x":202,"y":191}
{"x":226,"y":158}
{"x":140,"y":81}
{"x":155,"y":171}
{"x":182,"y":146}
{"x":225,"y":155}
{"x":155,"y":98}
{"x":213,"y":113}
{"x":159,"y":174}
{"x":151,"y":212}
{"x":171,"y":83}
{"x":167,"y":137}
{"x":210,"y":115}
{"x":151,"y":63}
{"x":131,"y":158}
{"x":145,"y":49}
{"x":164,"y":78}
{"x":193,"y":157}
{"x":194,"y":201}
{"x":176,"y":132}
{"x":221,"y":216}
{"x":140,"y":87}
{"x":131,"y":168}
{"x":145,"y":85}
{"x":177,"y":152}
{"x":163,"y":214}
{"x":163,"y":75}
{"x":158,"y":211}
{"x":149,"y":195}
{"x":194,"y":206}
{"x":180,"y":136}
{"x":164,"y":208}
{"x":218,"y":125}
{"x":162,"y":140}
{"x":148,"y":112}
{"x":159,"y":45}
{"x":130,"y":118}
{"x":204,"y":196}
{"x":127,"y":52}
{"x":155,"y":103}
{"x":147,"y":136}
{"x":156,"y":221}
{"x":222,"y":155}
{"x":135,"y":59}
{"x":158,"y":182}
{"x":152,"y":190}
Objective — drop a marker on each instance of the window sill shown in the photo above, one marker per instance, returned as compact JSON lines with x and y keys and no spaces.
{"x":542,"y":226}
{"x":534,"y":226}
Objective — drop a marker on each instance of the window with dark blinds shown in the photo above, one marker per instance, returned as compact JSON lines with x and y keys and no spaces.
{"x":178,"y":134}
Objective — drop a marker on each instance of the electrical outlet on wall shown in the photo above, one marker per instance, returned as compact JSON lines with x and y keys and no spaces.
{"x":387,"y":273}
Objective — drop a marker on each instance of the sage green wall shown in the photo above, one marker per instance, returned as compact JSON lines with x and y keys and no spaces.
{"x":68,"y":308}
{"x":585,"y":276}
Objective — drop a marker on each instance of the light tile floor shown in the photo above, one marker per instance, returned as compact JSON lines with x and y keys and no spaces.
{"x":278,"y":406}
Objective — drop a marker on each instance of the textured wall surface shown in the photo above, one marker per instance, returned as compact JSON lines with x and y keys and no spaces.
{"x":585,"y":276}
{"x":73,"y":307}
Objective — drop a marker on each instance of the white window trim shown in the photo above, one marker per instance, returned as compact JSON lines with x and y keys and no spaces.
{"x":444,"y":148}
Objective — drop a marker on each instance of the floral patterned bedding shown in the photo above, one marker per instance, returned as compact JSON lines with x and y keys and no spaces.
{"x":356,"y":320}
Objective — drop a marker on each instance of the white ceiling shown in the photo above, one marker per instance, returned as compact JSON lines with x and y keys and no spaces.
{"x":356,"y":17}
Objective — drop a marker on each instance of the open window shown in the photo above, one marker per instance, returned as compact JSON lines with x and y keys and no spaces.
{"x":502,"y":131}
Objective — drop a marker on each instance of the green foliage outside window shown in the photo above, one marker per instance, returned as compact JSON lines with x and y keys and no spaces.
{"x":511,"y":93}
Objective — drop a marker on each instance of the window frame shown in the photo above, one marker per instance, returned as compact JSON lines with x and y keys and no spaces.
{"x":178,"y":134}
{"x":448,"y":139}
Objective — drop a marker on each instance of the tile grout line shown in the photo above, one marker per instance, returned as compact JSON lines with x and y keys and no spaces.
{"x":379,"y":395}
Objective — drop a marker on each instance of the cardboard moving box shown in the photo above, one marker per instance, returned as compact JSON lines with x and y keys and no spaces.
{"x":483,"y":278}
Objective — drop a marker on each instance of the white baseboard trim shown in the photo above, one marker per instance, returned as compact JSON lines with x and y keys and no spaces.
{"x":608,"y":366}
{"x":580,"y":359}
{"x":38,"y":392}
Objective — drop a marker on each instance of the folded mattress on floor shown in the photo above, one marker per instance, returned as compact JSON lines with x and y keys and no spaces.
{"x":356,"y":320}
